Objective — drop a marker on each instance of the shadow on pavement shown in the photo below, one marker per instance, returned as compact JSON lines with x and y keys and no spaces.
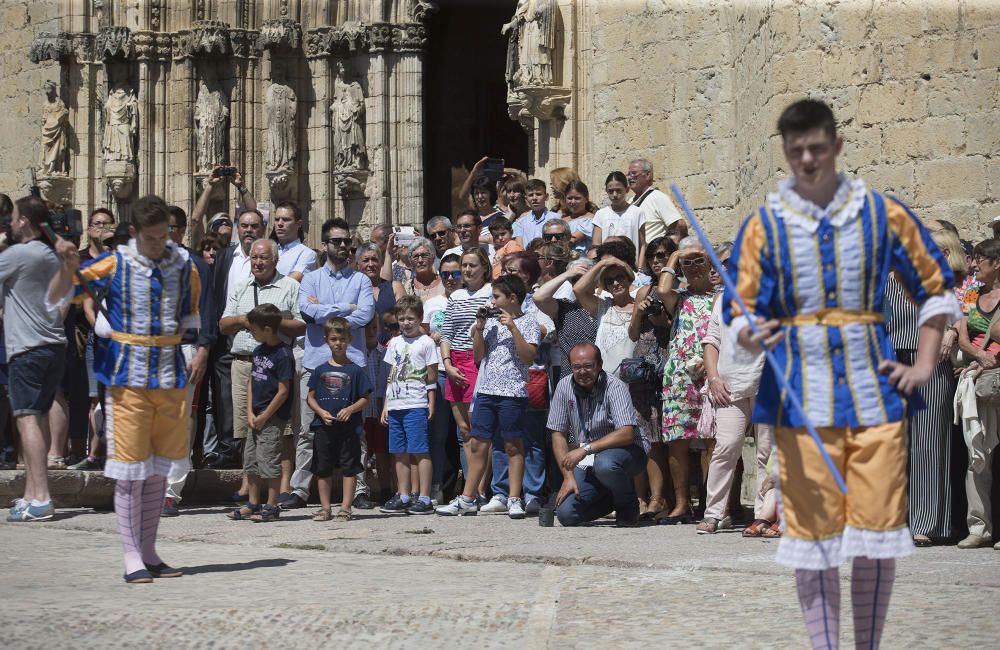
{"x":237,"y":566}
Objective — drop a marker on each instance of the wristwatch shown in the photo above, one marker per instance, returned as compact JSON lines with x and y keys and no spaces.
{"x":587,"y":448}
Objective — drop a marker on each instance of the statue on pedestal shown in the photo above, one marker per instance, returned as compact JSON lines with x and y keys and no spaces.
{"x":531,"y":41}
{"x":55,"y":123}
{"x":121,"y":124}
{"x":280,"y":105}
{"x":348,"y":122}
{"x":211,"y":112}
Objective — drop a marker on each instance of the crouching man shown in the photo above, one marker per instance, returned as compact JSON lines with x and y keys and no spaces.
{"x":597,"y":475}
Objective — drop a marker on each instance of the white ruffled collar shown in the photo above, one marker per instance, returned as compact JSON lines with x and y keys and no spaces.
{"x":173,"y":257}
{"x":845,"y":206}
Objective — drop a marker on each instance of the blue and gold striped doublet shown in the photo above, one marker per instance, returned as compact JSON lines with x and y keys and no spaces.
{"x":149,"y":305}
{"x":822,"y":272}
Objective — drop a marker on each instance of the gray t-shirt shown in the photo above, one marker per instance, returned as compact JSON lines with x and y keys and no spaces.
{"x":25,"y":272}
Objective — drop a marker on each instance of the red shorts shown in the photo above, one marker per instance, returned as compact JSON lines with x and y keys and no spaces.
{"x":376,"y":436}
{"x":465,"y":361}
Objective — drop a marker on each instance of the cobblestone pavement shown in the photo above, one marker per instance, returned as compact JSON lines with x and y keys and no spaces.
{"x":433,"y":581}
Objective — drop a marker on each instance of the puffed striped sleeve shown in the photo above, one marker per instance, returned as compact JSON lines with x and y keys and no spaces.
{"x":920,"y":265}
{"x":752,"y":271}
{"x":97,"y":273}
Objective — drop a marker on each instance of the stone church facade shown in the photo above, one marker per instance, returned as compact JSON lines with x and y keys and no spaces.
{"x":359,"y":109}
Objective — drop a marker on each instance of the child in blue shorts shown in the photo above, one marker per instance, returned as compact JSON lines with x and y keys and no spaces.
{"x":409,"y":406}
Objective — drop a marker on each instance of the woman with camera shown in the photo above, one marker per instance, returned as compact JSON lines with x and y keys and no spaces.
{"x":650,"y":331}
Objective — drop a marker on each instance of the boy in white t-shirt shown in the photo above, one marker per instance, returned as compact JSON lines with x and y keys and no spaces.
{"x":409,"y":405}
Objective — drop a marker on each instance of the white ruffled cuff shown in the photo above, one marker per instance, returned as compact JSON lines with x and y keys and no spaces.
{"x":152,"y":466}
{"x":819,"y":555}
{"x":944,"y":303}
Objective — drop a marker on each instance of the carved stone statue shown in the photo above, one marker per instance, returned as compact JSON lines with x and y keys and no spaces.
{"x":55,"y":122}
{"x":279,"y":109}
{"x":211,"y":112}
{"x":121,"y":124}
{"x":348,"y":122}
{"x":531,"y":41}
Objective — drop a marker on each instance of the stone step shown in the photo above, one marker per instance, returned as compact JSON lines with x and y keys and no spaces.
{"x":72,"y":489}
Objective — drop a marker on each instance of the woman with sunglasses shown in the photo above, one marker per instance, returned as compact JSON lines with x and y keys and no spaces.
{"x":579,"y":215}
{"x":612,"y":307}
{"x":457,"y":355}
{"x":649,"y":329}
{"x":684,"y":374}
{"x":621,"y":218}
{"x":421,"y":279}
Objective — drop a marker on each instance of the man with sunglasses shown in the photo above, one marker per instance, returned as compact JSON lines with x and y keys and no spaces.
{"x":557,"y":231}
{"x":335,"y":289}
{"x":442,"y":235}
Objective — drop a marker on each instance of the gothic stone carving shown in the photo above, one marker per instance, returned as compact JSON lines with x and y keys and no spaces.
{"x":532,"y":39}
{"x":152,"y":45}
{"x":121,"y":124}
{"x":115,"y":43}
{"x":380,"y":36}
{"x":410,"y":37}
{"x":211,"y":114}
{"x":207,"y":37}
{"x":348,"y":122}
{"x":244,"y":43}
{"x":280,"y":105}
{"x":279,"y":33}
{"x":422,"y":9}
{"x":48,"y":46}
{"x":55,"y":124}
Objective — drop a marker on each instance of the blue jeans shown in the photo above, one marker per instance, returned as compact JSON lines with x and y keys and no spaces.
{"x":605,"y":487}
{"x":534,"y":458}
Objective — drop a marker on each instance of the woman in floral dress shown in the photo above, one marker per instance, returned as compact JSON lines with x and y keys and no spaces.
{"x":684,"y":374}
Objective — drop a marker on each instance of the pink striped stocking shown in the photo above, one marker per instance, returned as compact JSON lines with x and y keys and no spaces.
{"x":819,"y":597}
{"x":871,"y":588}
{"x":128,"y":510}
{"x":153,"y":491}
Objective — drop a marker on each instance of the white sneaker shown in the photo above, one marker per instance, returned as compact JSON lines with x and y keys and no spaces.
{"x":458,"y":507}
{"x":532,"y":505}
{"x":496,"y":506}
{"x":515,"y":508}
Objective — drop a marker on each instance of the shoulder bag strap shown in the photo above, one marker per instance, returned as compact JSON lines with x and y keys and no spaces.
{"x":989,"y":328}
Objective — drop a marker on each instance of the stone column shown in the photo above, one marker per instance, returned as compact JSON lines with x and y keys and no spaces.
{"x":318,"y":152}
{"x":378,"y":132}
{"x":408,"y":196}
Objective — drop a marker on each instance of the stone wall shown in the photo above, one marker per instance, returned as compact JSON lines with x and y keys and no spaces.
{"x":21,"y":94}
{"x":697,"y":89}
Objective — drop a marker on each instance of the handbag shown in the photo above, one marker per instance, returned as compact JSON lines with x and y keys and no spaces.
{"x":988,"y":382}
{"x":538,"y":388}
{"x":636,"y":370}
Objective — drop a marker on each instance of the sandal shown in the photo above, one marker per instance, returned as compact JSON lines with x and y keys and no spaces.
{"x":756,"y":528}
{"x":344,"y":515}
{"x":922,"y":541}
{"x":322,"y":515}
{"x":244,"y":513}
{"x":266,"y":513}
{"x":708,"y":526}
{"x":771,"y":532}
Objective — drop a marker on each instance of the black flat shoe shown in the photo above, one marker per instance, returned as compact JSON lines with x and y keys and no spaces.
{"x":142,"y":576}
{"x":686,"y":518}
{"x":161,"y":570}
{"x":922,"y":542}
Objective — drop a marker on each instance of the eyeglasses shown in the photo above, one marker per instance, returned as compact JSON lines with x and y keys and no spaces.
{"x":451,"y":275}
{"x":693,"y":261}
{"x":510,"y":271}
{"x":391,"y":326}
{"x":338,"y":241}
{"x":220,"y":224}
{"x":420,"y":256}
{"x":438,"y":234}
{"x":554,"y":236}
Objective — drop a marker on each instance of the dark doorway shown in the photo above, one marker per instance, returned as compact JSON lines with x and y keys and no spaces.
{"x":465,"y":99}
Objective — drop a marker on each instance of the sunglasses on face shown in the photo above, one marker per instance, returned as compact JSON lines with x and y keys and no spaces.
{"x":391,"y":326}
{"x":451,"y":275}
{"x":554,"y":236}
{"x":661,"y":255}
{"x":438,"y":234}
{"x":620,"y":279}
{"x":692,"y":261}
{"x":338,"y":241}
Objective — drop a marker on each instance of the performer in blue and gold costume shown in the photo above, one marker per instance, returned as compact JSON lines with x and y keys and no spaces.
{"x":811,"y":266}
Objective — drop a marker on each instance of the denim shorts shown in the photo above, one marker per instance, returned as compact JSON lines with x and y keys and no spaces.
{"x":408,"y":432}
{"x":34,"y":378}
{"x":492,"y":414}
